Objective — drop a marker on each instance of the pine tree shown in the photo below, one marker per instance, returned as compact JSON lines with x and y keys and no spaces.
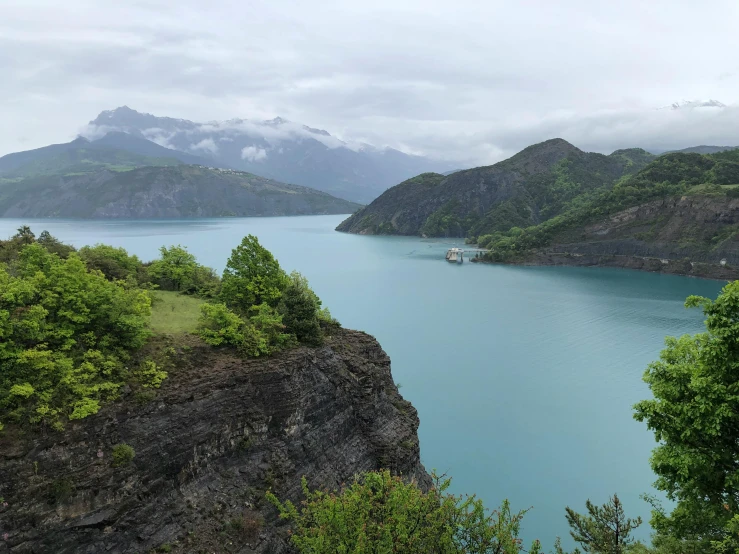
{"x":605,"y":530}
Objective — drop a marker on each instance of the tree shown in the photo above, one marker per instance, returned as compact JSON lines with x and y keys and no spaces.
{"x":605,"y":530}
{"x":25,"y":235}
{"x":66,"y":335}
{"x":252,"y":277}
{"x":175,"y":268}
{"x":382,"y":514}
{"x":695,"y":417}
{"x":115,"y":263}
{"x":300,"y":310}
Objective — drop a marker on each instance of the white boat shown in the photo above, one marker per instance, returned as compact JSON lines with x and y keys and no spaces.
{"x":455,"y":255}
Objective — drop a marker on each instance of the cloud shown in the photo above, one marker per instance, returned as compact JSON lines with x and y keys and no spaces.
{"x":207,"y":145}
{"x":253,"y":154}
{"x":155,"y":134}
{"x":466,"y":81}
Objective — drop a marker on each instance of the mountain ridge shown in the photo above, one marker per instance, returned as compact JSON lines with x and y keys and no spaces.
{"x":278,"y":149}
{"x":163,"y":192}
{"x":525,"y":189}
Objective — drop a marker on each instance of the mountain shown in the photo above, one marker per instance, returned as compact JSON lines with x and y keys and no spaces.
{"x":704,"y":149}
{"x":144,"y":147}
{"x":277,"y":148}
{"x":678,"y":214}
{"x":115,"y":151}
{"x":530,"y":187}
{"x":161,"y":192}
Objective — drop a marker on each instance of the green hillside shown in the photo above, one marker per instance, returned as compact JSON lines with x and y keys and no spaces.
{"x":533,"y":186}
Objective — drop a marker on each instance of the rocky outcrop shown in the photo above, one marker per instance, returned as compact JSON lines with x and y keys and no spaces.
{"x":687,"y":235}
{"x":220,"y":432}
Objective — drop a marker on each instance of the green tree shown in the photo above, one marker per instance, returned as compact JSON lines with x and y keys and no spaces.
{"x":382,"y":514}
{"x":175,"y":268}
{"x":695,"y":417}
{"x":115,"y":263}
{"x":605,"y":529}
{"x":25,"y":235}
{"x":252,"y":277}
{"x":300,"y":308}
{"x":66,"y":334}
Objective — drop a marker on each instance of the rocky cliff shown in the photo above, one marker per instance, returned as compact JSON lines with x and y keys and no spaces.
{"x":686,"y":235}
{"x":219,"y":432}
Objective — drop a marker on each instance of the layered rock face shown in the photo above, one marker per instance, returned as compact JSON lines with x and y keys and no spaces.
{"x":220,"y":432}
{"x":688,"y":235}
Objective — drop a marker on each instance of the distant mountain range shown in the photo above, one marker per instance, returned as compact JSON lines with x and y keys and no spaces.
{"x":277,"y":149}
{"x":126,"y":176}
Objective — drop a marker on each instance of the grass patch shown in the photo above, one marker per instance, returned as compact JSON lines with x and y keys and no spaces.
{"x":174,"y":313}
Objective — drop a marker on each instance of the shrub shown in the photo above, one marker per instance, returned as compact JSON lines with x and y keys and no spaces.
{"x":115,"y":263}
{"x":123,"y":455}
{"x":65,"y":335}
{"x":379,"y":512}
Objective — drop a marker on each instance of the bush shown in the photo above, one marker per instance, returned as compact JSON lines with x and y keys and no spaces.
{"x":261,"y":334}
{"x":66,"y":334}
{"x":123,"y":455}
{"x":379,"y":512}
{"x":115,"y":263}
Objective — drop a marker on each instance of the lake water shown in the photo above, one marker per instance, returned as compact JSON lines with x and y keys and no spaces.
{"x":523,"y":378}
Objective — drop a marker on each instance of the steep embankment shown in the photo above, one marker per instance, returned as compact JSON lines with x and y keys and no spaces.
{"x":531,"y":187}
{"x":686,"y":235}
{"x":161,"y":192}
{"x":221,"y":431}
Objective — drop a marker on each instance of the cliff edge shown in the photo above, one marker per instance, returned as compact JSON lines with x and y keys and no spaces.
{"x":218,"y":434}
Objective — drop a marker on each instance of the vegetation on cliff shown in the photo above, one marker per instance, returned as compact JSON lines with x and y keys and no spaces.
{"x":74,"y":324}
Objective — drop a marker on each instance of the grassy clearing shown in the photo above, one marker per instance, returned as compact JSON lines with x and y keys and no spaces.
{"x":174,"y":313}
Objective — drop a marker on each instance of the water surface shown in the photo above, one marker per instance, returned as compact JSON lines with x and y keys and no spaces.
{"x":523,"y":378}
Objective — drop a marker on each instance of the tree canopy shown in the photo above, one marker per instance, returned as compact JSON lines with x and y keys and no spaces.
{"x":252,"y":277}
{"x":695,"y":417}
{"x":65,"y":333}
{"x":380,"y":513}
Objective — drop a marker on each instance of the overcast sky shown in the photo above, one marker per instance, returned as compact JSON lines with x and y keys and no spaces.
{"x":463,"y":80}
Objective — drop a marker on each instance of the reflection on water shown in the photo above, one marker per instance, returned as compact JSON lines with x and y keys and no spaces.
{"x":523,"y":377}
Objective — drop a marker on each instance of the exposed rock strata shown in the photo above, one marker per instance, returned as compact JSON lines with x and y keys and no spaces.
{"x":220,"y":432}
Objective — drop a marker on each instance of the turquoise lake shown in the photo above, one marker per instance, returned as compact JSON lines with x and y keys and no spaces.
{"x":523,"y":377}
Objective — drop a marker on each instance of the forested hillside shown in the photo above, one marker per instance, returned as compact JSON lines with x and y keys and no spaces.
{"x":532,"y":186}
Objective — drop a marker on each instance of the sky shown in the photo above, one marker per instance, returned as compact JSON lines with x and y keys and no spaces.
{"x":467,"y":81}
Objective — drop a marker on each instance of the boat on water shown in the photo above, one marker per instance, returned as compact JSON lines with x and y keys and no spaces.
{"x":455,"y":255}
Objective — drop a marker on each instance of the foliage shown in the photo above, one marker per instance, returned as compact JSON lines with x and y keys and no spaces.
{"x":252,"y":277}
{"x":123,"y":454}
{"x":380,"y":513}
{"x":258,"y":335}
{"x":300,"y":311}
{"x":115,"y":263}
{"x":65,"y":333}
{"x":605,"y":530}
{"x":695,"y":417}
{"x":175,"y":268}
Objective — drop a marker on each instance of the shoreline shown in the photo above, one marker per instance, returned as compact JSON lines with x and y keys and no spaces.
{"x":682,"y":267}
